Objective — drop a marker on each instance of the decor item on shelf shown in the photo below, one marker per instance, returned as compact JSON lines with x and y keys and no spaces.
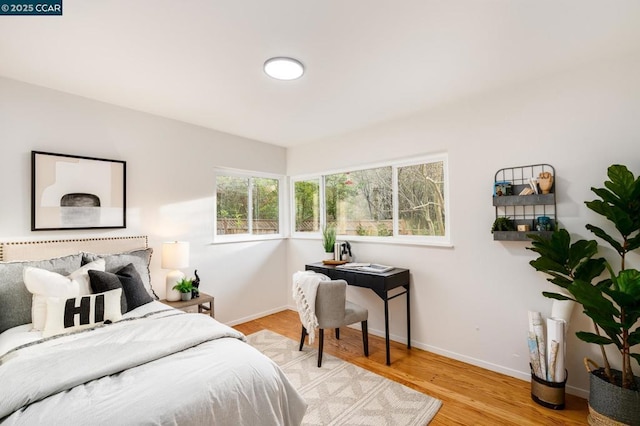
{"x":502,"y":188}
{"x":524,"y":228}
{"x":503,"y":224}
{"x":545,"y":182}
{"x":185,"y":287}
{"x":543,"y":223}
{"x":175,"y":256}
{"x":196,"y":285}
{"x":612,"y":303}
{"x":329,"y":240}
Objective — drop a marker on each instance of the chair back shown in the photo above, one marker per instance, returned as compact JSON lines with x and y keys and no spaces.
{"x":330,"y":303}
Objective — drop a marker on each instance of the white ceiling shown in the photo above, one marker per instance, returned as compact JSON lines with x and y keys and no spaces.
{"x":367,"y":61}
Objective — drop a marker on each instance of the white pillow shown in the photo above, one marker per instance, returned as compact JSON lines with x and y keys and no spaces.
{"x":76,"y":313}
{"x":42,"y":284}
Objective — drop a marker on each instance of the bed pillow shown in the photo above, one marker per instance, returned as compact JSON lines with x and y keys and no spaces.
{"x":43,"y":283}
{"x":15,"y":299}
{"x":134,"y":294}
{"x":75,"y":313}
{"x":139,"y":258}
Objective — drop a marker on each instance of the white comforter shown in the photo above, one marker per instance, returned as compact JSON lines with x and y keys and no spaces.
{"x":172,"y":368}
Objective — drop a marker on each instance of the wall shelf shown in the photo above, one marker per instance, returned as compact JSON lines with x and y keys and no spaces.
{"x":509,"y":183}
{"x":524,"y":200}
{"x":518,"y":236}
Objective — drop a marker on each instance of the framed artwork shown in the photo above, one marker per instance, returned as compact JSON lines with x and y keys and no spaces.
{"x":73,"y":192}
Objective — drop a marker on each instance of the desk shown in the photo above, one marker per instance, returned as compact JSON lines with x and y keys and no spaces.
{"x":379,"y":283}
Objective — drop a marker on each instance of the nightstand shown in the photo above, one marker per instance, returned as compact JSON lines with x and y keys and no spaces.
{"x":200,"y":301}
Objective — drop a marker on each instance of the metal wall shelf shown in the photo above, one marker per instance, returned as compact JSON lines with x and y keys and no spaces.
{"x":524,"y":209}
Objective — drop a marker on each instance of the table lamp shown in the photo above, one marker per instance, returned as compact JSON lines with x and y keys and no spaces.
{"x":175,"y":256}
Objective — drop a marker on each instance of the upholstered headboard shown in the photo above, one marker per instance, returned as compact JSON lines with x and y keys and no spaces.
{"x":39,"y":250}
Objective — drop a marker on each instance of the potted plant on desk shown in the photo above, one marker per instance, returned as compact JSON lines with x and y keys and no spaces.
{"x":329,"y":241}
{"x":185,"y":287}
{"x":612,"y":303}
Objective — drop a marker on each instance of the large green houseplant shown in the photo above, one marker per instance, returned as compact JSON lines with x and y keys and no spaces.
{"x":612,"y":303}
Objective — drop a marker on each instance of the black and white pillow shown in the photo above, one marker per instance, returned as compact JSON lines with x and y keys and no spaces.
{"x":76,"y":313}
{"x":43,"y":283}
{"x":127,"y":278}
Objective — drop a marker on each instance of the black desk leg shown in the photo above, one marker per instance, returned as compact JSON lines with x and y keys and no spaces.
{"x":386,"y":327}
{"x":408,"y":319}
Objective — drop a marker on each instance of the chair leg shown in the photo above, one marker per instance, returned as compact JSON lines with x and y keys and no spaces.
{"x":304,"y":334}
{"x":337,"y":334}
{"x":365,"y":338}
{"x":320,"y":345}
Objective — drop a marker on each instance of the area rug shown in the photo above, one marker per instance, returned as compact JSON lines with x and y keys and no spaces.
{"x":341,"y":393}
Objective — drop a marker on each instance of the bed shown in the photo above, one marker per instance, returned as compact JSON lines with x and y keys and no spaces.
{"x":122,"y":360}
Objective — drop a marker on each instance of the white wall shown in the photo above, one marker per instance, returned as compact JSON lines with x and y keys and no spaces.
{"x":169,"y":187}
{"x":470,"y":302}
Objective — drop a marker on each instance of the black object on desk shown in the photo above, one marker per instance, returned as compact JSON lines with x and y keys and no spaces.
{"x":380,"y":283}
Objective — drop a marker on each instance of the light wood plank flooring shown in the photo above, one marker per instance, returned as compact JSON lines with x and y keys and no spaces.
{"x":470,"y":395}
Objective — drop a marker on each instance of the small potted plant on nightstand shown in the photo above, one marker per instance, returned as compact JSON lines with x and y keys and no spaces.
{"x":184,"y":286}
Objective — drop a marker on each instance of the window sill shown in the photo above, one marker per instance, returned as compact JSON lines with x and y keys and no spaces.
{"x":382,"y":240}
{"x":246,"y":238}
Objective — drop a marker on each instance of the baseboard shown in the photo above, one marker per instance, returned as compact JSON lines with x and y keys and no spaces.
{"x":523,"y":375}
{"x":256,"y":316}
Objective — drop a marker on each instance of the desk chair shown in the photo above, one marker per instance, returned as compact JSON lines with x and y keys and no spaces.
{"x":334,"y":311}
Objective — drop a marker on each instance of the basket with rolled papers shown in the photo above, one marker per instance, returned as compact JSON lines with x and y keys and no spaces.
{"x":547,"y":360}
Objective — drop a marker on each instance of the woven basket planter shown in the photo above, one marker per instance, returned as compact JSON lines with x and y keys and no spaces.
{"x":548,"y":394}
{"x":611,"y":405}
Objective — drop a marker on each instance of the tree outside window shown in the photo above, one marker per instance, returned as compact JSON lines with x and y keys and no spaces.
{"x":247,"y":205}
{"x":360,"y":202}
{"x":421,"y":206}
{"x":307,"y":205}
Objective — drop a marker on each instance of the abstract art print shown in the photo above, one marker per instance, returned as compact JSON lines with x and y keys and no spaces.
{"x":74,"y":192}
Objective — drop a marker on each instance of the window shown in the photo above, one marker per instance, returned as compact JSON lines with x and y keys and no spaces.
{"x":360,"y":202}
{"x":307,"y":205}
{"x":421,"y":199}
{"x":398,"y":201}
{"x":247,"y":205}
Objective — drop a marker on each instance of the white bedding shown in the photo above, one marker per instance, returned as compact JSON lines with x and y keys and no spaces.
{"x":154,"y":368}
{"x":22,"y":334}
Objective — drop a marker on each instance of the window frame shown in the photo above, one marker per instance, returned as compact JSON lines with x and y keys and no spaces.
{"x":442,"y":241}
{"x":282,"y":191}
{"x":292,"y":205}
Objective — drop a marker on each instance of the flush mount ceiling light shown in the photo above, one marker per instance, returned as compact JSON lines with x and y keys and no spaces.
{"x":282,"y":68}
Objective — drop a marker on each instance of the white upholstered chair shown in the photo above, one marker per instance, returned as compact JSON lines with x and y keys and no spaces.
{"x":334,"y":311}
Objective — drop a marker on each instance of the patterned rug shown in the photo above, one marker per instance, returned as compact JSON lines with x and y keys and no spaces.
{"x":341,"y":393}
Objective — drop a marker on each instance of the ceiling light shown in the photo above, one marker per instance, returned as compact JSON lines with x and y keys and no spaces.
{"x":282,"y":68}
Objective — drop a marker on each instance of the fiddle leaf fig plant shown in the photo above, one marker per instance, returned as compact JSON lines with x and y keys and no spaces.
{"x":612,"y":303}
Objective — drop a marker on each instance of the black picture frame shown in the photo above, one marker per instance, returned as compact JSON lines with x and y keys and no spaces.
{"x":76,"y":192}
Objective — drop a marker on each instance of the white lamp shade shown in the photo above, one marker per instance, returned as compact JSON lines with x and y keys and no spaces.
{"x":175,"y":255}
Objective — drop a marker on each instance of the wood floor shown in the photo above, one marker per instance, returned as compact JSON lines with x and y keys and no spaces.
{"x":470,"y":395}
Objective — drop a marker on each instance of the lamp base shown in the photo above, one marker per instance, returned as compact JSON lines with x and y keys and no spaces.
{"x":172,"y":279}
